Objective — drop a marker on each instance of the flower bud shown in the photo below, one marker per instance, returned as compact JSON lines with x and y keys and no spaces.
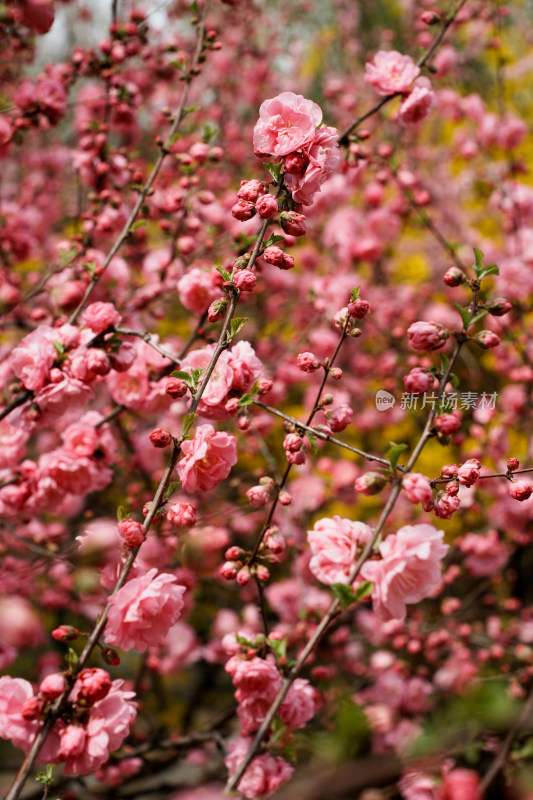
{"x":498,"y":307}
{"x":243,"y":210}
{"x":217,"y":310}
{"x":160,"y":437}
{"x":65,"y":633}
{"x":308,"y":362}
{"x":251,"y":191}
{"x":284,"y":498}
{"x":454,"y":277}
{"x":487,"y":339}
{"x":262,"y":573}
{"x":176,"y":388}
{"x":133,"y":533}
{"x":31,"y":708}
{"x":182,"y":515}
{"x":293,"y":223}
{"x":243,"y":576}
{"x":52,"y":686}
{"x":427,"y":336}
{"x":245,"y":280}
{"x":267,"y":206}
{"x":513,"y":463}
{"x":520,"y":490}
{"x":370,"y":483}
{"x":228,"y":570}
{"x":359,"y":308}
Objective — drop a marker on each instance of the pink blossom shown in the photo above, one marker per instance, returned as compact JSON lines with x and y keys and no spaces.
{"x":208,"y":459}
{"x":417,"y":104}
{"x":247,"y":368}
{"x":485,"y":553}
{"x":196,"y":290}
{"x":427,"y":335}
{"x":299,"y":705}
{"x":286,"y":123}
{"x":80,"y":438}
{"x":419,"y":380}
{"x":461,"y":784}
{"x":520,"y":490}
{"x":214,"y":397}
{"x":101,"y":316}
{"x":52,"y":686}
{"x":324,"y":158}
{"x":446,"y":505}
{"x":252,"y":191}
{"x":417,"y":488}
{"x":143,"y":610}
{"x":408,"y":571}
{"x":417,"y":786}
{"x":14,"y":692}
{"x":182,"y":515}
{"x":339,"y":418}
{"x":267,"y":206}
{"x":33,"y":357}
{"x":390,"y":72}
{"x":264,"y":776}
{"x":334,"y":543}
{"x":245,"y":280}
{"x":468,"y":473}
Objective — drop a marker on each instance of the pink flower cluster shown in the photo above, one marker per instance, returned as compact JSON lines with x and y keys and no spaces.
{"x":392,"y":73}
{"x":265,"y":775}
{"x":143,"y":611}
{"x":335,"y":544}
{"x":207,"y":459}
{"x":409,"y":569}
{"x":287,"y":129}
{"x":96,"y":721}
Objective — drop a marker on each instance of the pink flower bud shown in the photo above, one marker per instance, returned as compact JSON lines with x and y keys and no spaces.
{"x":93,"y":684}
{"x":245,"y":280}
{"x":449,"y":471}
{"x":370,"y":483}
{"x":275,"y":543}
{"x":228,"y":570}
{"x":258,"y":496}
{"x":160,"y":437}
{"x":419,"y":380}
{"x":110,"y":656}
{"x":234,"y":553}
{"x":454,"y":277}
{"x":359,"y":308}
{"x":243,"y":210}
{"x":335,"y":373}
{"x":487,"y":339}
{"x":295,"y":163}
{"x":447,"y":424}
{"x":468,"y":473}
{"x":284,"y":498}
{"x":232,"y":405}
{"x":339,"y":418}
{"x":100,"y":316}
{"x":265,"y":385}
{"x":427,"y":336}
{"x":452,"y":489}
{"x":513,"y":463}
{"x":267,"y":206}
{"x":293,"y":223}
{"x":65,"y":633}
{"x":243,"y":576}
{"x":251,"y":191}
{"x":461,"y":784}
{"x":52,"y":686}
{"x":182,"y":515}
{"x":262,"y":573}
{"x":32,"y":708}
{"x":176,"y":388}
{"x":274,"y":255}
{"x":308,"y":362}
{"x":297,"y":458}
{"x":133,"y":533}
{"x":520,"y":490}
{"x":243,"y":423}
{"x":498,"y":307}
{"x":445,"y":506}
{"x":292,"y":442}
{"x":417,"y":488}
{"x":216,"y":310}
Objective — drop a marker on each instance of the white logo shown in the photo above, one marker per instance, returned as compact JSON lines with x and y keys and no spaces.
{"x":384,"y":400}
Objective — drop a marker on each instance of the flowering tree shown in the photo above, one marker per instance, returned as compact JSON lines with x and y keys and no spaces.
{"x":266,"y":390}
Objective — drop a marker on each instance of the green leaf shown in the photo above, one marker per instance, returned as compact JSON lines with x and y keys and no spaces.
{"x":311,"y":438}
{"x":224,"y":272}
{"x":243,"y":640}
{"x":196,"y":375}
{"x":235,"y":326}
{"x":354,"y":294}
{"x":478,"y":316}
{"x":248,"y":398}
{"x":276,"y":170}
{"x":278,"y":647}
{"x":362,"y":590}
{"x":444,"y":362}
{"x":490,"y":269}
{"x":394,"y":452}
{"x":90,"y":266}
{"x":465,"y":315}
{"x":171,"y":488}
{"x":343,"y":593}
{"x":478,"y":266}
{"x":190,"y":110}
{"x":67,"y":256}
{"x":187,"y":423}
{"x":59,"y":348}
{"x":72,"y":659}
{"x":138,"y":224}
{"x":121,"y":513}
{"x":272,"y":239}
{"x":45,"y":777}
{"x":455,"y":380}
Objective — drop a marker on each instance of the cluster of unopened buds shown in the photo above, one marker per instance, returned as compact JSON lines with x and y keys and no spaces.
{"x":236,"y":567}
